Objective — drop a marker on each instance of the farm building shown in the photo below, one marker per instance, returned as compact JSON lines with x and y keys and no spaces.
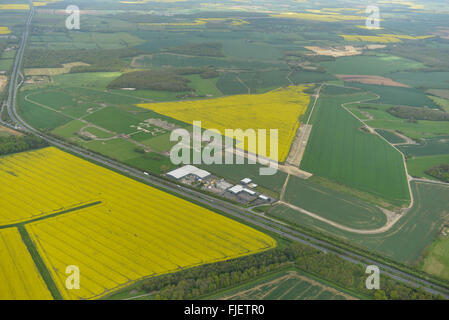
{"x":223,"y":185}
{"x":237,"y":189}
{"x":246,"y":181}
{"x":188,"y":170}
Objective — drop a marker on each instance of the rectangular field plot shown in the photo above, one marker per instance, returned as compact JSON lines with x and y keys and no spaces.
{"x":333,"y":205}
{"x":406,"y":240}
{"x":279,"y":109}
{"x":380,"y":64}
{"x":19,"y":277}
{"x":340,"y":149}
{"x":288,"y":285}
{"x":36,"y":184}
{"x":132,"y":232}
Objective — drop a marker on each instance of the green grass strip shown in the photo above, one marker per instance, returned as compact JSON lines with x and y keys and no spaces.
{"x":40,"y":264}
{"x":84,"y":206}
{"x":51,"y":285}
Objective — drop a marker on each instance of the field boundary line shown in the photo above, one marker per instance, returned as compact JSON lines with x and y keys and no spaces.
{"x":392,"y":218}
{"x":391,"y":221}
{"x":373,"y":131}
{"x":46,"y":107}
{"x":39,"y":263}
{"x":52,"y":215}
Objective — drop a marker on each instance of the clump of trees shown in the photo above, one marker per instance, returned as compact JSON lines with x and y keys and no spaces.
{"x":99,"y":60}
{"x":208,"y":279}
{"x":208,"y":49}
{"x":165,"y":80}
{"x":440,"y":172}
{"x":14,"y":144}
{"x":415,"y":113}
{"x":204,"y":72}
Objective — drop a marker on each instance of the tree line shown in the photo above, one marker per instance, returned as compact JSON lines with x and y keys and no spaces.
{"x":14,"y":144}
{"x":168,"y":79}
{"x":212,"y":278}
{"x":416,"y":113}
{"x":441,"y":172}
{"x":209,"y":49}
{"x":99,"y":60}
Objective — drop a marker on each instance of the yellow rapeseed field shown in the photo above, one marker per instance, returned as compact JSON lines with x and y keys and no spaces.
{"x":19,"y":277}
{"x":279,"y":109}
{"x":198,"y":22}
{"x":40,"y":3}
{"x":319,"y":16}
{"x":382,"y":38}
{"x":14,"y":7}
{"x":4,"y":30}
{"x":135,"y":232}
{"x":28,"y":194}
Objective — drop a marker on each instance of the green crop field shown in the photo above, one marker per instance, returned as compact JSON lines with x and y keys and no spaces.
{"x":89,"y":79}
{"x":370,"y":64}
{"x":229,"y":83}
{"x":63,"y":102}
{"x":398,"y":96}
{"x":6,"y":64}
{"x":376,"y":116}
{"x":430,"y":80}
{"x":440,"y":93}
{"x":99,"y":133}
{"x":118,"y":149}
{"x":114,"y":119}
{"x":204,"y":87}
{"x":427,"y":147}
{"x":287,"y":285}
{"x":299,"y":77}
{"x":406,"y":240}
{"x":164,"y":59}
{"x":264,"y":81}
{"x":101,"y":96}
{"x":418,"y":165}
{"x":327,"y":203}
{"x":390,"y":136}
{"x":40,"y":117}
{"x":441,"y":102}
{"x":436,"y":260}
{"x":85,"y":40}
{"x":420,"y":129}
{"x":152,"y":162}
{"x":69,"y":129}
{"x":341,"y":151}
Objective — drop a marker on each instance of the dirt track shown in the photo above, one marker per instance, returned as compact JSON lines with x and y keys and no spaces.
{"x":3,"y":82}
{"x":299,"y":145}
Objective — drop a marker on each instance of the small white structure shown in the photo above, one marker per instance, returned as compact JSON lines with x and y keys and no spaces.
{"x":187,"y":170}
{"x":253,"y":185}
{"x":246,"y":181}
{"x":248,"y":191}
{"x":264,"y":198}
{"x":236,"y":189}
{"x":223,"y":185}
